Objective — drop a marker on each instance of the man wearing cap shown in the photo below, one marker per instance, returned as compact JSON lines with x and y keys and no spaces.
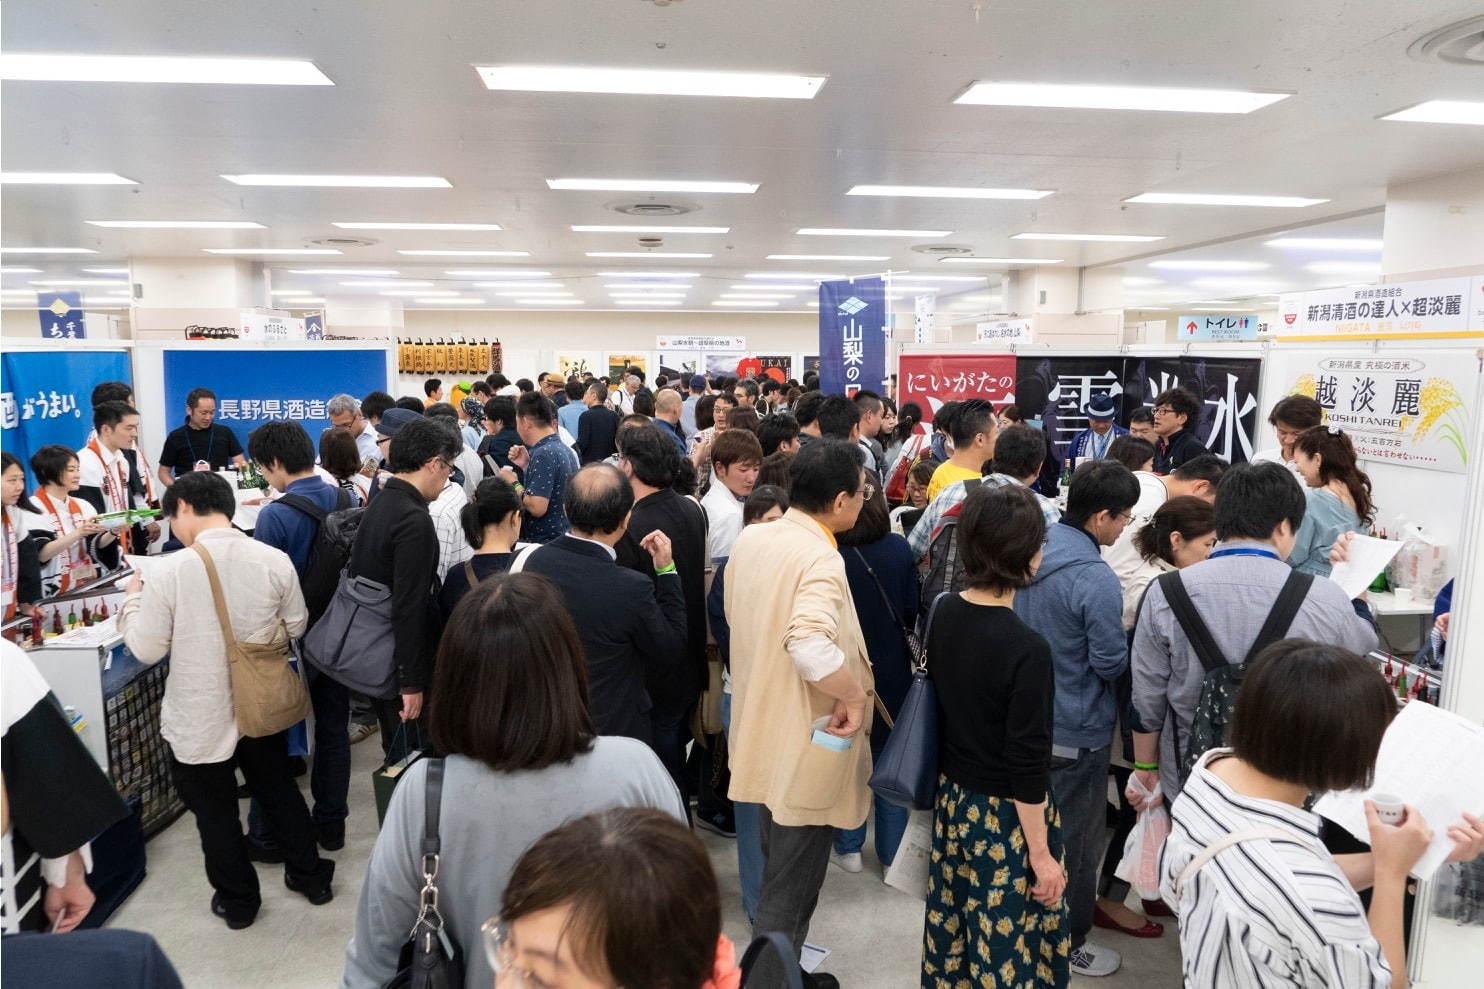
{"x":688,"y":410}
{"x":1093,"y":442}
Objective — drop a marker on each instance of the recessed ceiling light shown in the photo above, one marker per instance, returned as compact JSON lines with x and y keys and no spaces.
{"x":1000,"y":261}
{"x":1210,"y":265}
{"x":651,"y":185}
{"x":345,"y":181}
{"x":32,"y":271}
{"x":52,"y":67}
{"x":771,"y":286}
{"x":828,"y":257}
{"x":439,"y":300}
{"x":649,"y":82}
{"x":917,"y":276}
{"x":63,"y":178}
{"x":1441,"y":112}
{"x":1327,"y":243}
{"x":342,"y":271}
{"x":417,"y":226}
{"x":648,"y":302}
{"x":178,"y":224}
{"x":496,"y":273}
{"x":519,"y":284}
{"x":1097,"y":97}
{"x":107,"y":271}
{"x":1093,"y":238}
{"x":1339,"y":268}
{"x":744,"y":302}
{"x":552,"y":301}
{"x":644,"y":254}
{"x":866,"y":232}
{"x":271,"y":250}
{"x":947,"y":192}
{"x":49,"y":250}
{"x":290,"y":291}
{"x":600,"y":228}
{"x":467,"y":254}
{"x":791,"y":275}
{"x":387,"y":283}
{"x":1220,"y":199}
{"x":649,"y":274}
{"x":64,"y":282}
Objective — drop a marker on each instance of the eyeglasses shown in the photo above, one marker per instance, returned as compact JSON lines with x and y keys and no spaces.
{"x":1163,"y":410}
{"x":866,"y":492}
{"x":448,"y":465}
{"x":500,"y":954}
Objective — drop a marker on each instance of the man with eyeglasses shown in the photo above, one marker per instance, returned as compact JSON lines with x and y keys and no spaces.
{"x":345,"y":411}
{"x":1076,"y":603}
{"x":1177,"y":411}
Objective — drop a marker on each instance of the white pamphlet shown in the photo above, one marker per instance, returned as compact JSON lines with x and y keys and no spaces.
{"x":1368,"y":557}
{"x":140,"y":565}
{"x":811,"y":956}
{"x":1434,"y":760}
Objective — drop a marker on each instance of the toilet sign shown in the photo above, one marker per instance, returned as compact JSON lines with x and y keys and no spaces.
{"x":1218,"y":327}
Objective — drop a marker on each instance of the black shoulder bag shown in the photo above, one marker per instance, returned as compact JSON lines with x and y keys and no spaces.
{"x":430,"y":959}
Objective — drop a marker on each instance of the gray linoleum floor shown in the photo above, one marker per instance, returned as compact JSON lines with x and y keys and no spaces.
{"x":873,"y":931}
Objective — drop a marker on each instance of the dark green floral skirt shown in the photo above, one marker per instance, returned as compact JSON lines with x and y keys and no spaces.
{"x":983,"y":930}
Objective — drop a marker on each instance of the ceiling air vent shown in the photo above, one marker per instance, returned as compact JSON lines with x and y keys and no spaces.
{"x":1456,"y":44}
{"x":343,"y":242}
{"x":651,"y":208}
{"x":942,"y":250}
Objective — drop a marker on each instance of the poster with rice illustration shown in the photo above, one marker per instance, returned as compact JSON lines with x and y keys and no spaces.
{"x":1416,"y":410}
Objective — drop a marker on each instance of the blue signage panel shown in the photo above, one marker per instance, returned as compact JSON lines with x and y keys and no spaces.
{"x":46,"y":397}
{"x":852,"y":336}
{"x":1218,"y":326}
{"x":257,"y":386}
{"x":61,"y":315}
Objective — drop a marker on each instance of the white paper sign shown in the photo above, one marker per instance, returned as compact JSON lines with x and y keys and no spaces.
{"x":924,"y":312}
{"x":1003,"y":331}
{"x":255,"y":326}
{"x":1435,"y":307}
{"x":1368,"y":557}
{"x":701,"y":343}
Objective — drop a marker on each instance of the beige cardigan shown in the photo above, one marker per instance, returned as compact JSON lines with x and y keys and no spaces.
{"x":786,"y":581}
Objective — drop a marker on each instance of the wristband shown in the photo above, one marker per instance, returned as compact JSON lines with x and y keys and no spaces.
{"x":1147,"y":767}
{"x":660,"y":571}
{"x":520,"y":488}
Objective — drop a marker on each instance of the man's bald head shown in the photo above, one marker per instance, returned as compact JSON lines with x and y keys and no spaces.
{"x":667,"y":403}
{"x":599,"y":498}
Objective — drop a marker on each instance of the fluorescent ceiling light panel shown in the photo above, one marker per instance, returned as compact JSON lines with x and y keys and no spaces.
{"x":178,"y":224}
{"x":301,"y":303}
{"x":1000,"y":261}
{"x":644,"y":254}
{"x":743,"y":302}
{"x":1441,"y":112}
{"x":1333,"y":268}
{"x":106,"y":271}
{"x":1151,"y":308}
{"x":1141,"y":280}
{"x":552,"y":301}
{"x":1092,"y":238}
{"x":1218,"y":308}
{"x":52,"y":67}
{"x":1098,"y":97}
{"x":417,"y":292}
{"x":1210,"y":265}
{"x":495,"y":273}
{"x":271,"y":250}
{"x":651,"y":185}
{"x":915,"y":276}
{"x":37,"y":271}
{"x":525,"y":286}
{"x":649,"y":82}
{"x":387,"y":283}
{"x":867,"y":232}
{"x":757,"y":295}
{"x":343,"y":271}
{"x":1221,"y":199}
{"x":1363,"y":244}
{"x":770,"y":287}
{"x":64,"y":282}
{"x":63,"y":178}
{"x":467,"y":254}
{"x":791,"y":275}
{"x":649,"y":274}
{"x":438,"y":300}
{"x":828,"y":257}
{"x":1214,"y":302}
{"x":647,"y":295}
{"x":947,"y":192}
{"x":600,"y":228}
{"x":648,"y":302}
{"x":290,"y":291}
{"x":51,"y":250}
{"x":647,"y":286}
{"x":417,"y":226}
{"x":345,"y":181}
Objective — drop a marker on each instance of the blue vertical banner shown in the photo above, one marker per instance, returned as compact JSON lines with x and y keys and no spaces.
{"x":46,"y":397}
{"x":61,"y":315}
{"x":314,"y":326}
{"x":852,"y":335}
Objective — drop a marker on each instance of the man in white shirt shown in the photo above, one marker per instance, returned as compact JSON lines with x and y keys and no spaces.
{"x":175,"y":615}
{"x":104,"y":468}
{"x":345,"y":410}
{"x":622,"y":398}
{"x":1198,"y":477}
{"x":736,"y":456}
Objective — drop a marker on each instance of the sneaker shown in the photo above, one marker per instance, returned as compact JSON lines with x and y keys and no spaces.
{"x":1095,"y":961}
{"x":720,"y":823}
{"x":821,"y":980}
{"x":330,"y":837}
{"x":359,"y":732}
{"x":267,"y":854}
{"x":849,"y":861}
{"x":233,"y":923}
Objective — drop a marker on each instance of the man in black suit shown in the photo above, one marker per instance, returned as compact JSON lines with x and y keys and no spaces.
{"x":597,"y":428}
{"x":632,"y":629}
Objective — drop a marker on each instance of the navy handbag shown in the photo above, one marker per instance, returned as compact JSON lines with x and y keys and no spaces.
{"x":906,"y":774}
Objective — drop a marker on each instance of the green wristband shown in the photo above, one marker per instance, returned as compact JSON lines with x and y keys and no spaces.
{"x":664,"y":570}
{"x":1147,"y":767}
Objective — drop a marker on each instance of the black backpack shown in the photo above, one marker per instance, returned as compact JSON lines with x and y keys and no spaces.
{"x":945,"y":572}
{"x":1213,"y":712}
{"x":335,"y":533}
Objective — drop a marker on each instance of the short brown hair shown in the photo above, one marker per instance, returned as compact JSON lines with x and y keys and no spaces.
{"x":1188,"y":515}
{"x":1299,"y":411}
{"x":1312,"y":715}
{"x":774,"y":470}
{"x":733,"y":446}
{"x":644,"y":905}
{"x":1131,"y":451}
{"x":338,"y":453}
{"x":1000,"y":531}
{"x":510,"y":685}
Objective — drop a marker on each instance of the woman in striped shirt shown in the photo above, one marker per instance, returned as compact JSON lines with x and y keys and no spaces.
{"x":1261,"y":901}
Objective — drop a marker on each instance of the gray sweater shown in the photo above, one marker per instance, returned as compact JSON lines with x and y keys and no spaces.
{"x":488,"y":820}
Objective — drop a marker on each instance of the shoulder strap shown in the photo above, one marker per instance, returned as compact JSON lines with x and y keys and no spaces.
{"x":891,"y":608}
{"x":970,"y":484}
{"x":787,"y":958}
{"x":1222,"y":844}
{"x":519,"y":563}
{"x":302,"y":504}
{"x":222,"y":615}
{"x":1190,"y":620}
{"x":470,"y":575}
{"x":927,"y":628}
{"x":342,"y":496}
{"x":1285,"y":610}
{"x":433,"y":805}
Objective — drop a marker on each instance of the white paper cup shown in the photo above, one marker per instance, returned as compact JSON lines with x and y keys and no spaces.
{"x":1389,"y":808}
{"x":1403,"y":595}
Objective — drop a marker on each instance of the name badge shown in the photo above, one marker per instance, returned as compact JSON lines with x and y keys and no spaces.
{"x":201,"y":465}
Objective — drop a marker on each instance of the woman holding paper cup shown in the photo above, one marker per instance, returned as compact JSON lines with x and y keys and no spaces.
{"x":80,"y":545}
{"x":1337,"y":493}
{"x":1260,"y":899}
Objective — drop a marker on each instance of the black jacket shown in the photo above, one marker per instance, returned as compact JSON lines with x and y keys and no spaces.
{"x":631,"y":629}
{"x":1178,"y":450}
{"x":397,"y":545}
{"x":597,"y":432}
{"x":684,"y":522}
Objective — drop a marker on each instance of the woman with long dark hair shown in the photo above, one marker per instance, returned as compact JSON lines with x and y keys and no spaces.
{"x":23,"y":526}
{"x":1337,"y":492}
{"x":906,"y":439}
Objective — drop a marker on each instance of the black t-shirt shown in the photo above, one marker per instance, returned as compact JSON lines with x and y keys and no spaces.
{"x":216,"y":445}
{"x":456,"y":584}
{"x":995,"y":689}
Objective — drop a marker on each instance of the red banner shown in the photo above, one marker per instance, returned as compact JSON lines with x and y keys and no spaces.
{"x":932,"y":379}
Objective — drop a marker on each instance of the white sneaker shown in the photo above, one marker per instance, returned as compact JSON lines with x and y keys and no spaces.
{"x":850,"y":861}
{"x":1095,"y":960}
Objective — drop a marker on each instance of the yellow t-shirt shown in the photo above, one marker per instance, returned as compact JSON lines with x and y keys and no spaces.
{"x":946,"y":474}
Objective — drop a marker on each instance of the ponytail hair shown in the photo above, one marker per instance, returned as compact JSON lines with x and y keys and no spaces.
{"x":1337,"y":463}
{"x":493,"y":502}
{"x":909,"y":416}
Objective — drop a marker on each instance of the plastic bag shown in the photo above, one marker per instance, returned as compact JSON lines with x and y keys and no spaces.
{"x":1421,"y":565}
{"x":1139,"y":866}
{"x":909,"y":867}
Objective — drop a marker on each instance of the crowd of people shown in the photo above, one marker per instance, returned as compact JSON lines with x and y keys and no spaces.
{"x":601,"y":613}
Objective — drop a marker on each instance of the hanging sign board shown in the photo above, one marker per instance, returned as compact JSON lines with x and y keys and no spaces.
{"x":923,"y":316}
{"x":701,"y":343}
{"x":852,"y":335}
{"x":1224,"y":327}
{"x":61,"y":315}
{"x":1003,"y":331}
{"x":1437,"y":307}
{"x":259,"y":326}
{"x":933,"y":379}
